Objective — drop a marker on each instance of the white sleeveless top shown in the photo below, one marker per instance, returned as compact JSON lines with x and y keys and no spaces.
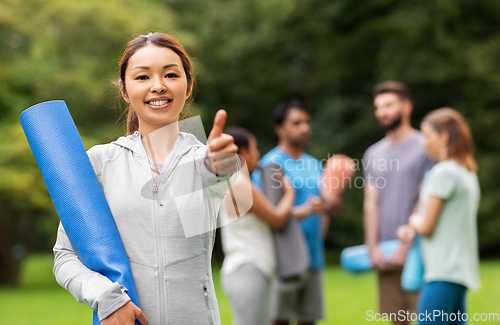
{"x":247,"y":239}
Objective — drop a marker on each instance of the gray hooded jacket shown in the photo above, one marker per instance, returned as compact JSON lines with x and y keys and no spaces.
{"x":167,"y":228}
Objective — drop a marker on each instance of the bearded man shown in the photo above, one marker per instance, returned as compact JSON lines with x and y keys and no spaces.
{"x":394,"y":168}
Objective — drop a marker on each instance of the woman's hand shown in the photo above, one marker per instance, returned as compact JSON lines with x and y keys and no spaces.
{"x":221,"y":157}
{"x":415,"y":221}
{"x":313,"y":205}
{"x":287,"y":185}
{"x":316,"y":205}
{"x":405,"y":233}
{"x":126,"y":315}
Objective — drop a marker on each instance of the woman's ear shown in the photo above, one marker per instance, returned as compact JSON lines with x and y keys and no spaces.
{"x":189,"y":90}
{"x":123,"y":91}
{"x":444,"y":137}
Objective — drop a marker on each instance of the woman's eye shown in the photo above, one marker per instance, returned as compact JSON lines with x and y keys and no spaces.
{"x":142,"y":77}
{"x":171,"y":75}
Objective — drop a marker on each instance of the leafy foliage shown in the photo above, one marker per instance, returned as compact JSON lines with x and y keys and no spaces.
{"x":248,"y":55}
{"x":331,"y":53}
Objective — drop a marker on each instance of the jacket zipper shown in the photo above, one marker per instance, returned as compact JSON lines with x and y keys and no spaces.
{"x":207,"y":304}
{"x":159,"y":254}
{"x":160,"y":251}
{"x":159,"y":248}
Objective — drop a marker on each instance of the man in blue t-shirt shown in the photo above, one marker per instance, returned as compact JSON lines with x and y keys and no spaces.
{"x":300,"y":300}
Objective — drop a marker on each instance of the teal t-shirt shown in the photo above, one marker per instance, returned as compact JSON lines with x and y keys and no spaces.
{"x":305,"y":176}
{"x":451,"y":253}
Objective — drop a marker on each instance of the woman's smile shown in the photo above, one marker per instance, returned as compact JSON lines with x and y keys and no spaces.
{"x":159,"y":103}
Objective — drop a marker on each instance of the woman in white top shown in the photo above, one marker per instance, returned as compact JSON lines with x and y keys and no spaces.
{"x":249,"y":264}
{"x":450,"y":200}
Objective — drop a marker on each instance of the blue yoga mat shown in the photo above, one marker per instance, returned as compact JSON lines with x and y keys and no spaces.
{"x":356,"y":259}
{"x":76,"y":193}
{"x":413,"y":271}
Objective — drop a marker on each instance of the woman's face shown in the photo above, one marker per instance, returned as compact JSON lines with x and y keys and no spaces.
{"x":155,"y":86}
{"x":434,"y":142}
{"x":252,"y":154}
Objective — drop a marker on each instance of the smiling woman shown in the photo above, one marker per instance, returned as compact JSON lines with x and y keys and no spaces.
{"x":172,"y":271}
{"x":140,"y":68}
{"x":155,"y":86}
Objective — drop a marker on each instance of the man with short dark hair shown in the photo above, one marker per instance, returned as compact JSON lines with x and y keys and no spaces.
{"x":300,"y":299}
{"x":394,"y":168}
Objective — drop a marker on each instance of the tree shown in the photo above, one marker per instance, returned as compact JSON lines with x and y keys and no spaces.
{"x":57,"y":50}
{"x":251,"y":54}
{"x":24,"y":201}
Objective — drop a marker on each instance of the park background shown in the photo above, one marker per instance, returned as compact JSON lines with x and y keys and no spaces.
{"x":248,"y":55}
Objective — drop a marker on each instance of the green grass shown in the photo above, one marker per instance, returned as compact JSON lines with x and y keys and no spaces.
{"x":40,"y":301}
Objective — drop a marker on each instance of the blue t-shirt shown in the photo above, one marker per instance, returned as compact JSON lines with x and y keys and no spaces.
{"x":305,"y":175}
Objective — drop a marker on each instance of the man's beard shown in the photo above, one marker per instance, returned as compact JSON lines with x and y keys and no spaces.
{"x":300,"y":143}
{"x":392,"y":125}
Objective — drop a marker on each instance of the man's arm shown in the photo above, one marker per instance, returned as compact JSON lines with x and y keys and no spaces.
{"x":417,"y":204}
{"x":406,"y":235}
{"x":371,"y":222}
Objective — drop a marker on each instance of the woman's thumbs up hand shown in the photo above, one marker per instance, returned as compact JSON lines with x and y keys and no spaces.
{"x":221,"y":156}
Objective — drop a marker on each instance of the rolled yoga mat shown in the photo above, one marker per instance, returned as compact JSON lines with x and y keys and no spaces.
{"x":76,"y":193}
{"x":356,"y":259}
{"x":413,"y":271}
{"x":292,"y":255}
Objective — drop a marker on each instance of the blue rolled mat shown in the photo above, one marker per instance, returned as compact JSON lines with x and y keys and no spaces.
{"x":76,"y":193}
{"x":356,"y":259}
{"x":413,"y":271}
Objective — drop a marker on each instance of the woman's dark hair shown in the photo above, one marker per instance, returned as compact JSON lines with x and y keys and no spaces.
{"x":281,"y":110}
{"x":460,"y":143}
{"x":161,"y":40}
{"x":241,"y":136}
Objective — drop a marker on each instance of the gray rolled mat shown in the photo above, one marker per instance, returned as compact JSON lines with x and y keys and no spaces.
{"x":76,"y":192}
{"x":292,"y":254}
